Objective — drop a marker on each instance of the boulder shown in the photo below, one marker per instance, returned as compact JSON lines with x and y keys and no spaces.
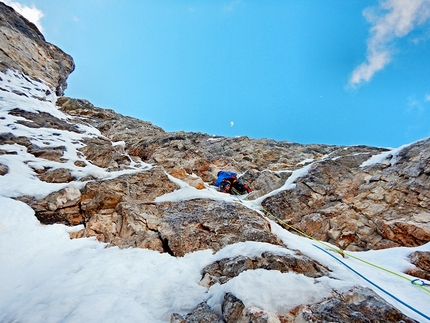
{"x":234,"y":311}
{"x":421,"y":262}
{"x":178,"y":227}
{"x":201,"y":314}
{"x":59,"y":175}
{"x":203,"y":224}
{"x":3,"y":170}
{"x":62,"y":206}
{"x":223,"y":270}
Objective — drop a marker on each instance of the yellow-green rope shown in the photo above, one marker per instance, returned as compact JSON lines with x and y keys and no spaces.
{"x":338,"y":250}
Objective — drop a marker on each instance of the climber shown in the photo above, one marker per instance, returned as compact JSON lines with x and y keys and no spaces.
{"x":228,"y":182}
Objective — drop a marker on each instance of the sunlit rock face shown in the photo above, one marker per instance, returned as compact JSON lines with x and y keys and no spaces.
{"x":24,"y":48}
{"x":122,"y":181}
{"x":360,"y":207}
{"x":338,"y":199}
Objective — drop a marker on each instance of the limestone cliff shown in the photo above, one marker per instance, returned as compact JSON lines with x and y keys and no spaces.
{"x":24,"y":48}
{"x":109,"y":173}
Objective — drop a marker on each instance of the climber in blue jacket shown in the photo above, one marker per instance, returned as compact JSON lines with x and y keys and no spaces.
{"x":228,"y":182}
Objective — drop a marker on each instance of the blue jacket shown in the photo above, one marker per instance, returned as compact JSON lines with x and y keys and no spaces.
{"x":224,"y":175}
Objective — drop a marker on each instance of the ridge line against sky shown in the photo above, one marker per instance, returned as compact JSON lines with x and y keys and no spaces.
{"x":390,"y":20}
{"x":377,"y":95}
{"x":32,"y":14}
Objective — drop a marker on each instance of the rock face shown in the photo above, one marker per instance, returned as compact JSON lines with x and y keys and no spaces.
{"x":265,"y":164}
{"x":356,"y":305}
{"x":114,"y":126}
{"x":24,"y":48}
{"x":112,"y":172}
{"x":362,"y":207}
{"x":357,"y":208}
{"x":120,"y":212}
{"x":337,"y":198}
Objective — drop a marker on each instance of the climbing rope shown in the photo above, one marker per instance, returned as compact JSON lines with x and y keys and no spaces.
{"x":419,"y":282}
{"x":377,"y":286}
{"x":334,"y":248}
{"x":416,"y":282}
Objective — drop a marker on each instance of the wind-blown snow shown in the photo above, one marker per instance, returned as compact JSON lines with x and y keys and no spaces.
{"x":256,"y":287}
{"x":21,"y":179}
{"x":47,"y":277}
{"x":289,"y":183}
{"x":188,"y":192}
{"x":392,"y":154}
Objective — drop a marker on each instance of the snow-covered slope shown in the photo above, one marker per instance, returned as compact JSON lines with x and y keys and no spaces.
{"x":20,"y":92}
{"x":47,"y":277}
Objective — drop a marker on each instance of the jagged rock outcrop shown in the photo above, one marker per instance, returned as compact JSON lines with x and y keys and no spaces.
{"x":23,"y":47}
{"x":90,"y":148}
{"x":120,"y":212}
{"x":202,"y":224}
{"x":225,"y":269}
{"x":359,"y":208}
{"x":421,"y":260}
{"x":330,"y":203}
{"x":265,"y":164}
{"x":112,"y":125}
{"x":200,"y":153}
{"x":202,"y":313}
{"x":356,"y":305}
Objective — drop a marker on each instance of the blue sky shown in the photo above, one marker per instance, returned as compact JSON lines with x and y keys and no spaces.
{"x":307,"y":71}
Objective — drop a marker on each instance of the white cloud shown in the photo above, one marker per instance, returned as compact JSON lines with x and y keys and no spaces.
{"x":31,"y":13}
{"x":233,"y":5}
{"x":414,"y":105}
{"x":390,"y":20}
{"x":417,"y":106}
